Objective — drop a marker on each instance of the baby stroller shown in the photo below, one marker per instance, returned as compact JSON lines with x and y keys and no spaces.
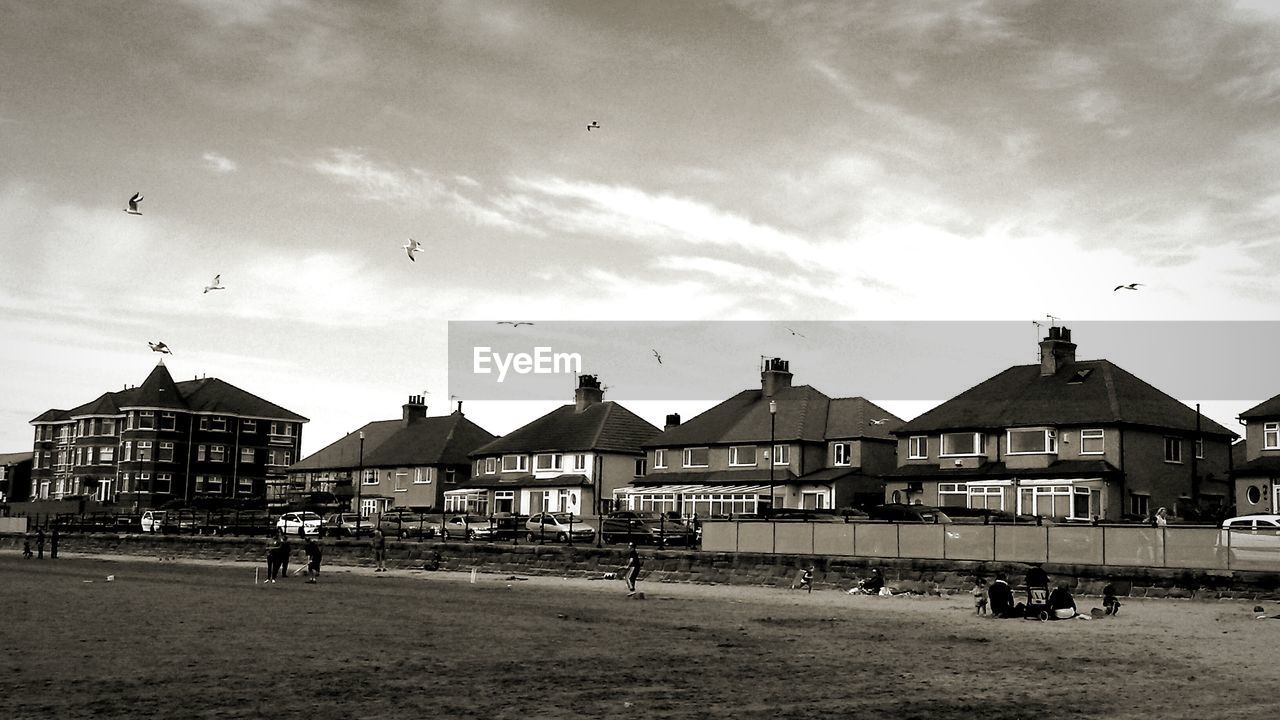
{"x":1037,"y":603}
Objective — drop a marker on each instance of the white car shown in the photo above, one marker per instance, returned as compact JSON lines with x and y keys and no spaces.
{"x":1252,"y":538}
{"x":299,"y":523}
{"x":152,"y":520}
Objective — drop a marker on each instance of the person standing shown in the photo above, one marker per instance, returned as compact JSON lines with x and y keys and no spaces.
{"x":273,"y":558}
{"x":40,"y":543}
{"x":633,"y":568}
{"x":1162,"y":518}
{"x":285,"y":549}
{"x":380,"y":549}
{"x":979,"y":597}
{"x":53,"y":543}
{"x":312,"y":549}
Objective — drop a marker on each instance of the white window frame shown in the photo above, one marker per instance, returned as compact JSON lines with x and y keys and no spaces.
{"x":422,"y":476}
{"x":736,"y":452}
{"x":1139,"y":504}
{"x":106,"y":455}
{"x":556,"y":463}
{"x":1198,"y":444}
{"x":218,"y":453}
{"x":160,"y":453}
{"x":521,"y":463}
{"x":143,"y":425}
{"x":960,"y":489}
{"x":168,"y":421}
{"x":370,"y":477}
{"x":660,"y":459}
{"x":248,"y":426}
{"x":580,"y":461}
{"x":400,"y":482}
{"x":844,"y":449}
{"x":1174,"y":444}
{"x":216,"y":421}
{"x":1271,"y":436}
{"x":781,"y":454}
{"x":141,"y":456}
{"x":986,"y":491}
{"x":642,"y":466}
{"x":688,"y":457}
{"x":979,"y":445}
{"x":918,"y":447}
{"x":202,"y":451}
{"x":1090,"y":435}
{"x":490,"y":466}
{"x":1048,"y":441}
{"x":252,"y":455}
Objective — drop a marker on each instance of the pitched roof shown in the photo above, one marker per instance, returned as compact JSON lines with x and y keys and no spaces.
{"x":802,"y":415}
{"x":603,"y":426}
{"x":1080,"y":393}
{"x":1267,"y":465}
{"x":430,"y":441}
{"x":104,"y":405}
{"x":1265,"y":409}
{"x":49,"y":416}
{"x":344,"y":453}
{"x":157,"y":391}
{"x":11,"y":458}
{"x":211,"y":395}
{"x":851,"y":418}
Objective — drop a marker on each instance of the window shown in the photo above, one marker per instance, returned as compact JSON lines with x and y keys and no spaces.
{"x":246,"y":455}
{"x":108,"y":427}
{"x":147,"y":420}
{"x":401,"y":477}
{"x":244,"y":484}
{"x":168,"y":421}
{"x":421,"y":476}
{"x":1199,"y":443}
{"x":166,"y":452}
{"x":781,"y":454}
{"x":1140,"y":505}
{"x":204,"y":423}
{"x":217,"y":453}
{"x":989,"y":497}
{"x":218,"y":423}
{"x":917,"y":447}
{"x":201,"y":452}
{"x":1038,"y":441}
{"x":1173,"y":450}
{"x":1092,"y":442}
{"x":953,"y":495}
{"x":211,"y":484}
{"x":281,"y":428}
{"x":370,"y":477}
{"x":547,"y":461}
{"x":660,"y":458}
{"x":1271,"y":436}
{"x":840,"y":454}
{"x":963,"y":444}
{"x":144,"y":451}
{"x":490,"y":466}
{"x":695,"y":457}
{"x":279,"y":458}
{"x":580,"y":461}
{"x":450,"y":476}
{"x":249,"y":426}
{"x":515,"y":463}
{"x":641,"y":465}
{"x":106,"y":455}
{"x":1253,"y":495}
{"x":742,"y":455}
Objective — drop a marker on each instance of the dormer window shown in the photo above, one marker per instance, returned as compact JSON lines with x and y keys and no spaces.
{"x":1036,"y":441}
{"x":1080,"y":376}
{"x":962,"y":444}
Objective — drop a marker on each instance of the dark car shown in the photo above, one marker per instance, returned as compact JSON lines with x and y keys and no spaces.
{"x":901,"y":512}
{"x":988,"y":516}
{"x":645,"y":527}
{"x":408,"y":525}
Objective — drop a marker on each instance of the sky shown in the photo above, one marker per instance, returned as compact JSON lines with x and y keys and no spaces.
{"x":766,"y":161}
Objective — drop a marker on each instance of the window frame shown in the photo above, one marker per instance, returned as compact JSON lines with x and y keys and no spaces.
{"x":557,"y":462}
{"x":918,"y":447}
{"x":1088,"y":435}
{"x":688,"y":456}
{"x":660,"y":459}
{"x":521,"y":463}
{"x":845,"y":448}
{"x":168,"y":421}
{"x":1174,"y":444}
{"x":735,"y":455}
{"x":979,"y":445}
{"x":1048,"y":441}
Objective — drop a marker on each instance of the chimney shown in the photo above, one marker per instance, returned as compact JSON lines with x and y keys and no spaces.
{"x":672,"y":420}
{"x":775,"y":375}
{"x":459,"y":407}
{"x":1056,"y":351}
{"x":415,"y":409}
{"x":588,"y":392}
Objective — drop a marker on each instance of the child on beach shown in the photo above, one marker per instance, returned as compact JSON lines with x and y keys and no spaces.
{"x":979,"y":597}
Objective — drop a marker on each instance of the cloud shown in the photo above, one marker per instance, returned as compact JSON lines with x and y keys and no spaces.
{"x":219,"y":163}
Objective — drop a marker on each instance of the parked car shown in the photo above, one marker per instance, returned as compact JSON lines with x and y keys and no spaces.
{"x":298,"y":523}
{"x":343,"y":524}
{"x":152,"y":520}
{"x":1251,"y":537}
{"x":406,"y":525}
{"x":469,"y":527}
{"x":901,"y":512}
{"x":563,"y":527}
{"x":645,"y":527}
{"x":988,"y":516}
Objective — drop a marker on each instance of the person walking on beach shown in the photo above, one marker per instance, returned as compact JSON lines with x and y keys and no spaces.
{"x":40,"y":543}
{"x":53,"y":543}
{"x":285,"y":549}
{"x":312,"y":549}
{"x":380,"y":549}
{"x":633,"y":568}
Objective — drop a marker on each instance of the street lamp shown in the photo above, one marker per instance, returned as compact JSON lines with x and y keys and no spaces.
{"x":359,"y":482}
{"x":773,"y":449}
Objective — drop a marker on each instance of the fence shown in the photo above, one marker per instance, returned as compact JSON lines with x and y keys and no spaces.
{"x":1193,"y":548}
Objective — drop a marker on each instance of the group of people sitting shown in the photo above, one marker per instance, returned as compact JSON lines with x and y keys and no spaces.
{"x":1041,"y":604}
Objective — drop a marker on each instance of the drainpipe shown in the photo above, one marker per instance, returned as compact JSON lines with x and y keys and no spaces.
{"x":1195,"y":463}
{"x":191,"y":447}
{"x":1124,"y":476}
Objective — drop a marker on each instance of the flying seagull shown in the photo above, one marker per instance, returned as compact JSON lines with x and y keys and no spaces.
{"x":793,"y":332}
{"x":160,"y":347}
{"x":217,"y":284}
{"x":513,"y":323}
{"x":877,"y":421}
{"x":655,"y":354}
{"x":1130,"y":286}
{"x":412,"y":247}
{"x":133,"y":204}
{"x":593,"y":126}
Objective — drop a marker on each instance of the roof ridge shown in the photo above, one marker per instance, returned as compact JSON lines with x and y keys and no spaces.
{"x":604,"y":420}
{"x":1113,"y":398}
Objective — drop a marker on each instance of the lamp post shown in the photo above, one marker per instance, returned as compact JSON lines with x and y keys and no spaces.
{"x":359,"y":482}
{"x":773,"y":449}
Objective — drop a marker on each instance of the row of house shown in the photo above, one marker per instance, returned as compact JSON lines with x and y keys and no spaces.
{"x":1079,"y":439}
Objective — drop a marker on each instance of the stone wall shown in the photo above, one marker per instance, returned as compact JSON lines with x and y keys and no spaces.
{"x":920,"y":576}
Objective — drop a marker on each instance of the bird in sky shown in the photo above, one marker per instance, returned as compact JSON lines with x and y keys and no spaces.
{"x":793,"y":332}
{"x":593,"y":126}
{"x":412,"y":247}
{"x":877,"y":421}
{"x":217,"y":284}
{"x":133,"y":204}
{"x":1130,"y":286}
{"x":513,"y":323}
{"x":655,"y":354}
{"x":160,"y":347}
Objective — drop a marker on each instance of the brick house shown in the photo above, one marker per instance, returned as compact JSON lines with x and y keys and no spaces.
{"x":1064,"y":438}
{"x":407,"y":463}
{"x":1256,"y":479}
{"x":15,"y":476}
{"x":826,"y":452}
{"x":573,"y":459}
{"x":143,"y":446}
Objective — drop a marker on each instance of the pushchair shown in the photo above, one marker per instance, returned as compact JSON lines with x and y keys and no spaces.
{"x":1037,"y":603}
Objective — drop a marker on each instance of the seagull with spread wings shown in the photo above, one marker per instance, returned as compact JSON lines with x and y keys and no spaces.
{"x":656,"y":355}
{"x":412,"y":247}
{"x":593,"y":126}
{"x":797,"y":334}
{"x":217,"y":284}
{"x":513,"y":323}
{"x":1130,"y":286}
{"x":133,"y":204}
{"x":877,"y":421}
{"x":160,"y":347}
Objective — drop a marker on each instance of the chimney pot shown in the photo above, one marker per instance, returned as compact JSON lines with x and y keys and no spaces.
{"x":775,"y":375}
{"x":588,"y":392}
{"x":672,"y":420}
{"x":1056,"y":351}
